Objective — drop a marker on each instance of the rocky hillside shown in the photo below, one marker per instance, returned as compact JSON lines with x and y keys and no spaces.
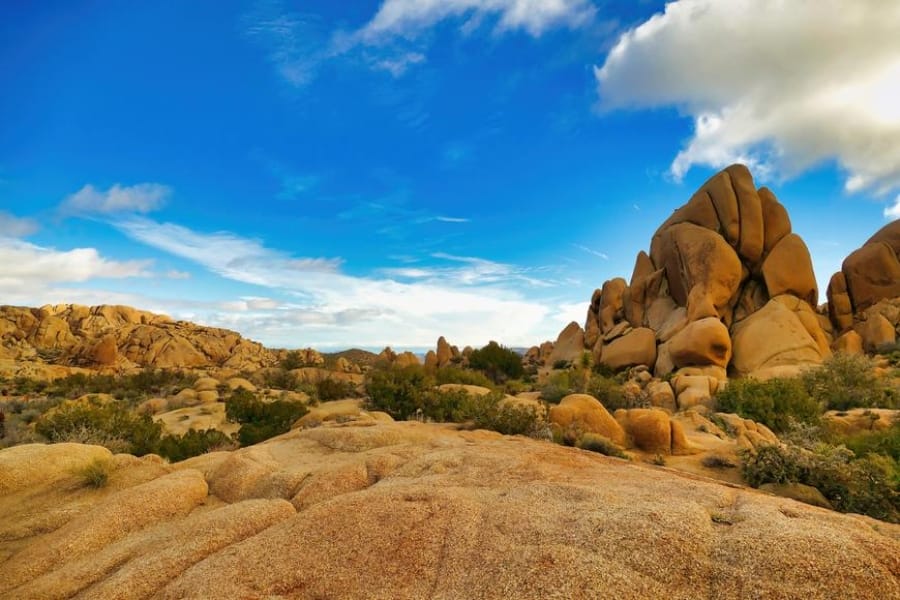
{"x":412,"y":510}
{"x":121,"y":337}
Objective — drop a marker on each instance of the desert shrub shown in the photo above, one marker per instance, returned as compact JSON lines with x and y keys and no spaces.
{"x":292,"y":360}
{"x":847,"y":381}
{"x":497,"y":362}
{"x":109,"y":424}
{"x":516,"y":386}
{"x":717,"y":461}
{"x":333,"y":389}
{"x":261,"y":420}
{"x":869,"y":485}
{"x":776,"y":403}
{"x":557,"y":387}
{"x":507,"y":418}
{"x":600,"y":444}
{"x":193,"y":443}
{"x":562,"y":364}
{"x":609,"y":392}
{"x":132,"y":388}
{"x":885,"y":442}
{"x":398,"y":391}
{"x":96,"y":473}
{"x":463,"y":376}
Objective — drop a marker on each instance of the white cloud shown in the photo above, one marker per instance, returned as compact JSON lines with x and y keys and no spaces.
{"x":175,"y":274}
{"x":780,"y":85}
{"x":27,"y":265}
{"x":596,"y":253}
{"x":892,"y":211}
{"x":409,"y":17}
{"x":473,"y":300}
{"x":298,"y":49}
{"x":13,"y":226}
{"x":140,"y":198}
{"x":451,"y":219}
{"x":397,"y":66}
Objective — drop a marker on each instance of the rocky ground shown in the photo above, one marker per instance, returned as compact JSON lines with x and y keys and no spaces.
{"x":410,"y":510}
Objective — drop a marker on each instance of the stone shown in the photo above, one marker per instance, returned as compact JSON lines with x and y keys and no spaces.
{"x":771,"y":337}
{"x":648,"y":429}
{"x":638,"y":347}
{"x":776,"y":222}
{"x":106,"y":351}
{"x":569,"y":345}
{"x":700,"y":343}
{"x":431,"y":360}
{"x":840,"y":308}
{"x":206,"y":384}
{"x":788,"y":270}
{"x":29,"y":464}
{"x":591,"y":328}
{"x":876,"y":333}
{"x":585,"y":414}
{"x":661,"y":395}
{"x":849,"y":343}
{"x":406,"y":359}
{"x":612,"y":303}
{"x":798,"y":491}
{"x":872,"y":273}
{"x":444,"y":354}
{"x":234,"y":383}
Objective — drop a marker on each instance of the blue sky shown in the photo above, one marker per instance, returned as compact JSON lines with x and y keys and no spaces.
{"x":342,"y":174}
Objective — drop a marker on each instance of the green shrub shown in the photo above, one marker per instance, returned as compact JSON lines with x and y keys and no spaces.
{"x":885,"y":442}
{"x":562,"y":364}
{"x":261,"y":420}
{"x":609,"y":392}
{"x":869,"y":485}
{"x":96,"y":473}
{"x":497,"y":362}
{"x":776,"y":403}
{"x":398,"y":391}
{"x":847,"y":381}
{"x":462,"y":376}
{"x":601,"y":445}
{"x":507,"y":418}
{"x":109,"y":424}
{"x":557,"y":387}
{"x":193,"y":443}
{"x":333,"y":389}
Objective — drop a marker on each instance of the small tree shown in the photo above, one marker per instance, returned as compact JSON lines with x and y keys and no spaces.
{"x":497,"y":362}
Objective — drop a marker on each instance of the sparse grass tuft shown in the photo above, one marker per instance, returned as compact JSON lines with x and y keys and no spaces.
{"x":96,"y":474}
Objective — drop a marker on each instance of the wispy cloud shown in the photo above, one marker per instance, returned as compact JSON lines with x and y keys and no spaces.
{"x":175,"y":274}
{"x":473,"y":298}
{"x":297,"y":47}
{"x":452,"y":219}
{"x":596,"y":253}
{"x":16,"y":227}
{"x":892,"y":211}
{"x":140,"y":198}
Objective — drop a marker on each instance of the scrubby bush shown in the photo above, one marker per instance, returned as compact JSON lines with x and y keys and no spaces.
{"x":462,"y":376}
{"x":193,"y":443}
{"x":776,"y":403}
{"x":498,"y":362}
{"x":93,"y":421}
{"x":329,"y":389}
{"x":398,"y":391}
{"x":557,"y":387}
{"x":846,"y":381}
{"x":609,"y":392}
{"x":886,"y":442}
{"x":261,"y":420}
{"x":869,"y":485}
{"x":507,"y":418}
{"x":132,"y":388}
{"x":600,"y":444}
{"x":96,"y":473}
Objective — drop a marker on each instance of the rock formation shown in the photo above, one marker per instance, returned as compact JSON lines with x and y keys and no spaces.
{"x":411,"y":510}
{"x":726,"y":287}
{"x":121,"y":337}
{"x":864,"y":296}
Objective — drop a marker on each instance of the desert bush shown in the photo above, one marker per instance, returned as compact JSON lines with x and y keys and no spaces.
{"x":261,"y":420}
{"x":601,"y":445}
{"x":497,"y":362}
{"x":193,"y":443}
{"x":333,"y":389}
{"x":717,"y":461}
{"x":776,"y":403}
{"x":869,"y":485}
{"x":398,"y":391}
{"x":562,"y":364}
{"x":557,"y":387}
{"x":609,"y":392}
{"x":132,"y":388}
{"x":886,"y":442}
{"x":847,"y":381}
{"x":517,"y":386}
{"x":109,"y":424}
{"x":462,"y":376}
{"x":96,"y":473}
{"x":507,"y":418}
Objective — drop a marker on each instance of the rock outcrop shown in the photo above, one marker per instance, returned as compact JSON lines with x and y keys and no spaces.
{"x":725,"y":285}
{"x":864,"y":296}
{"x":412,"y":510}
{"x":121,"y":337}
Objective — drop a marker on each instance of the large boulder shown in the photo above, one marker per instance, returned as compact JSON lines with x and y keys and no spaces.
{"x":703,"y":342}
{"x":569,"y":345}
{"x":772,"y":337}
{"x":638,"y":347}
{"x":585,"y":414}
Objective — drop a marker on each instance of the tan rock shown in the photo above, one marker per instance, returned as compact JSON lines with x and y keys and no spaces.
{"x":406,"y":359}
{"x":876,"y":333}
{"x":840,"y":309}
{"x":431,"y":360}
{"x":777,"y":223}
{"x":586,"y":414}
{"x":208,"y":396}
{"x":788,"y":270}
{"x":872,"y":273}
{"x":105,"y":351}
{"x":569,"y":345}
{"x":638,"y":347}
{"x":772,"y":337}
{"x":206,"y":384}
{"x":612,"y":303}
{"x":444,"y":354}
{"x":29,"y":464}
{"x":798,"y":491}
{"x":661,"y":395}
{"x":239,"y":382}
{"x":649,"y":430}
{"x":849,"y":343}
{"x":703,"y":342}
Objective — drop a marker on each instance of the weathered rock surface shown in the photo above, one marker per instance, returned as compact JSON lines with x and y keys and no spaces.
{"x":122,"y":337}
{"x":410,"y":510}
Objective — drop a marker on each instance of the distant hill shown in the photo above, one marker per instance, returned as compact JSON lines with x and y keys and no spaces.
{"x":363,"y":358}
